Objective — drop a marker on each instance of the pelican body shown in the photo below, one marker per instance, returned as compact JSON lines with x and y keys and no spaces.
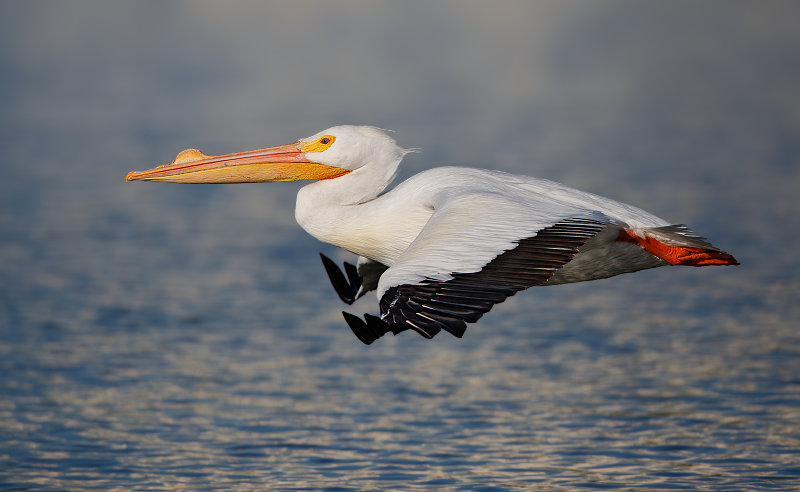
{"x":446,"y":245}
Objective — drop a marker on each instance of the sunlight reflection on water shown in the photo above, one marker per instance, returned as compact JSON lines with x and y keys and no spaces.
{"x":185,"y":337}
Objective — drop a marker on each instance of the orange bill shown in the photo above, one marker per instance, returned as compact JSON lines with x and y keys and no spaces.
{"x":282,"y":163}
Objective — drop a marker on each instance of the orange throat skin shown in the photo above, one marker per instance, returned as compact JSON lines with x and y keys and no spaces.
{"x":678,"y":255}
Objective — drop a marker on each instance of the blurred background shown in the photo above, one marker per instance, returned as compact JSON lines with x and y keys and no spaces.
{"x":186,"y":336}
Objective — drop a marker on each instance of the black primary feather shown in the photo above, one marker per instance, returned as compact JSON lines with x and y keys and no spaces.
{"x":347,"y":289}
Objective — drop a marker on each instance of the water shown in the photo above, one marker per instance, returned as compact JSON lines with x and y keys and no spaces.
{"x":162,"y":337}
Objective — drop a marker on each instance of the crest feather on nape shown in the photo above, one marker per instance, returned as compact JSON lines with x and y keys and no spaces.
{"x":373,"y":131}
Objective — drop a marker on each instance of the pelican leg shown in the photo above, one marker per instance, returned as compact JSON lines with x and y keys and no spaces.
{"x":345,"y":287}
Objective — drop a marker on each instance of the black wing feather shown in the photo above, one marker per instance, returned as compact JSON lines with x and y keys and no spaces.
{"x":346,"y":289}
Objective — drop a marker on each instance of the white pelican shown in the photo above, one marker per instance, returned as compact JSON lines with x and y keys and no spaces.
{"x":447,"y":244}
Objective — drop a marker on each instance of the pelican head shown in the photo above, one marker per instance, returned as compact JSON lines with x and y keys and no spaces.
{"x":329,"y":154}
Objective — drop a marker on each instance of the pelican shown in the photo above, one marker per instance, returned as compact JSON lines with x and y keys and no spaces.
{"x":449,"y":243}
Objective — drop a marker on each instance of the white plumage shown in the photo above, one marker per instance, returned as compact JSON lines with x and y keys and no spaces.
{"x":445,"y":245}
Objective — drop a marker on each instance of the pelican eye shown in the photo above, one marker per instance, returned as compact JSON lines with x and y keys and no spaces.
{"x":319,"y":145}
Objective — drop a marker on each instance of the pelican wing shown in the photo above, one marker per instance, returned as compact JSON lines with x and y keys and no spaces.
{"x":477,"y":249}
{"x":432,"y":305}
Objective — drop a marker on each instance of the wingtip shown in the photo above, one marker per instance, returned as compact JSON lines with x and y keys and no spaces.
{"x":343,"y":287}
{"x":360,"y":329}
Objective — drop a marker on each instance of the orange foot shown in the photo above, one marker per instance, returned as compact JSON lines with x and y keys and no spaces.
{"x":678,"y":255}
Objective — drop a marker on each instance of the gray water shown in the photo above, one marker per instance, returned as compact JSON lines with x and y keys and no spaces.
{"x":163,"y":337}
